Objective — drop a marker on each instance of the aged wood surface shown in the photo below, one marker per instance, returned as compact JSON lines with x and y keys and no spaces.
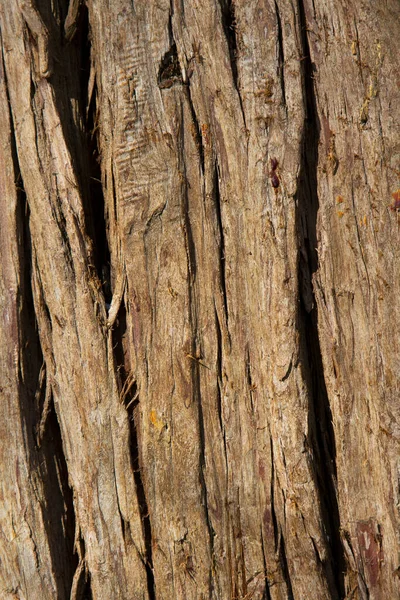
{"x":199,"y":285}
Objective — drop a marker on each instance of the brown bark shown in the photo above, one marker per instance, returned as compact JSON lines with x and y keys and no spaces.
{"x":199,"y":283}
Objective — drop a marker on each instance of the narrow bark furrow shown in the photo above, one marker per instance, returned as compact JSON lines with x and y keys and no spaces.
{"x":229,"y":26}
{"x":196,"y":365}
{"x":321,"y":434}
{"x":197,"y":128}
{"x":222,"y":268}
{"x":284,"y":566}
{"x":129,"y":397}
{"x":142,"y":502}
{"x":281,"y":54}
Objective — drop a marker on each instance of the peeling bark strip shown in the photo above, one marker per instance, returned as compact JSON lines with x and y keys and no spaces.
{"x":199,"y":282}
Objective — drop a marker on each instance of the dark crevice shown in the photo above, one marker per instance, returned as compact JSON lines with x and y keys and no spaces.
{"x":281,"y":55}
{"x":229,"y":25}
{"x":219,"y":370}
{"x":170,"y":70}
{"x":129,"y":398}
{"x":278,"y":537}
{"x":82,"y":589}
{"x":321,"y":435}
{"x":87,"y":589}
{"x":285,"y":568}
{"x":72,"y":83}
{"x":196,"y":126}
{"x":222,"y":269}
{"x":47,"y":463}
{"x":72,"y":21}
{"x":267,"y":594}
{"x":189,"y":242}
{"x":316,"y":552}
{"x":250,"y":383}
{"x":48,"y":460}
{"x":289,"y":370}
{"x":141,"y":495}
{"x":230,"y":29}
{"x":93,"y":197}
{"x":220,"y":386}
{"x":273,"y":514}
{"x":195,"y":365}
{"x":59,"y":526}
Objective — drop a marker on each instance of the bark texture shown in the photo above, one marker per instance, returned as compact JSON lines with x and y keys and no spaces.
{"x":199,"y":282}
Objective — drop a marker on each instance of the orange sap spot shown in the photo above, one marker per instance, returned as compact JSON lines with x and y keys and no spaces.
{"x":339,"y":199}
{"x":396,"y":200}
{"x":155,"y":422}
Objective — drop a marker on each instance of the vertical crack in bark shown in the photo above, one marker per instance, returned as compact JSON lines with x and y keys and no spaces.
{"x":285,"y":568}
{"x":222,"y":270}
{"x":281,"y":54}
{"x":230,"y":26}
{"x":142,"y":500}
{"x":219,"y":370}
{"x":273,"y":514}
{"x":93,"y":196}
{"x":266,"y":595}
{"x":194,"y":364}
{"x":196,"y":127}
{"x":220,"y":386}
{"x":321,"y":433}
{"x":195,"y":367}
{"x":73,"y":19}
{"x":81,"y":586}
{"x":47,"y":462}
{"x":249,"y":378}
{"x":171,"y":71}
{"x":280,"y":550}
{"x":129,"y":397}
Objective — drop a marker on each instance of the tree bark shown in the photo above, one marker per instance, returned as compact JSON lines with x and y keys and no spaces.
{"x":199,"y":280}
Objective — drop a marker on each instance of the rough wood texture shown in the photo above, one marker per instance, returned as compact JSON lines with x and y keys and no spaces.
{"x":199,"y":281}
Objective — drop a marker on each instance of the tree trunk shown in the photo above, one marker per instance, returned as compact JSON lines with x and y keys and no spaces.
{"x":199,"y":283}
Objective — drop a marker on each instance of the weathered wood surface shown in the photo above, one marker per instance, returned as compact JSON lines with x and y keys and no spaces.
{"x":200,"y":388}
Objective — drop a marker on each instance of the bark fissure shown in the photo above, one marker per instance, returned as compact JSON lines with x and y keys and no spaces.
{"x":281,"y":54}
{"x":73,"y":19}
{"x":202,"y":467}
{"x":230,"y":29}
{"x":44,"y":453}
{"x":229,"y":25}
{"x":222,"y":269}
{"x":81,"y":588}
{"x":142,"y":499}
{"x":272,"y":492}
{"x":170,"y":70}
{"x":284,"y":566}
{"x":219,"y":368}
{"x":321,"y":433}
{"x":94,"y":204}
{"x":196,"y":125}
{"x":195,"y":368}
{"x":267,"y":593}
{"x":129,"y":397}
